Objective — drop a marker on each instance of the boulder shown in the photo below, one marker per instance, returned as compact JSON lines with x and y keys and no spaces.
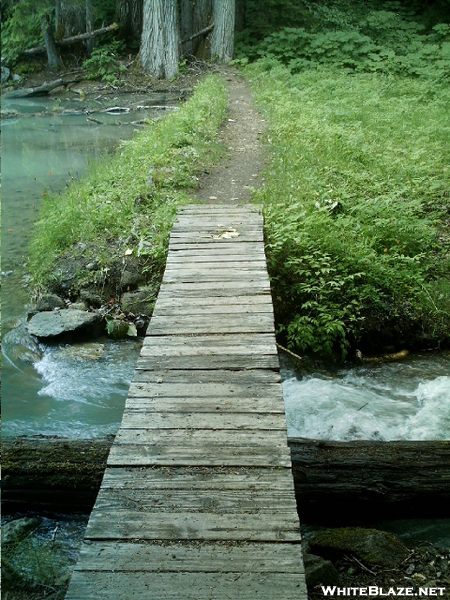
{"x":319,"y":571}
{"x":49,"y":302}
{"x":370,"y":546}
{"x":15,"y":531}
{"x":65,"y":324}
{"x":91,"y":298}
{"x":132,"y":275}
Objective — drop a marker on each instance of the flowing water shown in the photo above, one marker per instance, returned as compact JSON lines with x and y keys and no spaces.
{"x":63,"y":391}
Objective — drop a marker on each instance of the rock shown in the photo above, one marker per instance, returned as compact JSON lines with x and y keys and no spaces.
{"x":87,"y":351}
{"x":319,"y":571}
{"x":17,"y":530}
{"x":5,"y":74}
{"x":140,"y":302}
{"x":132,"y":276}
{"x":91,"y":298}
{"x":16,"y":77}
{"x":65,"y":324}
{"x":49,"y":302}
{"x":370,"y":546}
{"x":78,"y":306}
{"x":18,"y":346}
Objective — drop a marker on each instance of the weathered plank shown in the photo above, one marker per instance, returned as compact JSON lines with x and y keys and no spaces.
{"x":131,"y":524}
{"x":259,"y":376}
{"x":207,"y":404}
{"x":185,"y":586}
{"x":260,"y":323}
{"x":209,"y":557}
{"x":139,"y":418}
{"x":211,"y":361}
{"x":233,"y":391}
{"x":235,"y":478}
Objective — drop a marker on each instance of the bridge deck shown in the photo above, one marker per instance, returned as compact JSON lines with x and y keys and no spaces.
{"x":197,"y":500}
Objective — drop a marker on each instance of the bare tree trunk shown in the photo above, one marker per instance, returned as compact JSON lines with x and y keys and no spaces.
{"x":57,"y":13}
{"x":160,"y":42}
{"x":129,"y":14}
{"x":90,"y":26}
{"x":54,"y":59}
{"x":71,"y":20}
{"x":203,"y":16}
{"x":222,"y":39}
{"x":187,"y":24}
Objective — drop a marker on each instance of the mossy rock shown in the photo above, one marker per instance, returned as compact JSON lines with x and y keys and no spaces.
{"x":370,"y":546}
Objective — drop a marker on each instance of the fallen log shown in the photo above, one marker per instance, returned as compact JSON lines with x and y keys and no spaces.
{"x":74,"y":39}
{"x":53,"y":473}
{"x":335,"y":479}
{"x":362,"y":478}
{"x":40,"y":90}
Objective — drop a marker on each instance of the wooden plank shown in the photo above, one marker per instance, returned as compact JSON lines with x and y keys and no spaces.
{"x":263,"y":300}
{"x":199,"y":308}
{"x":129,"y":524}
{"x":201,"y":324}
{"x":141,"y":418}
{"x":247,"y":270}
{"x":255,"y":343}
{"x":236,"y":478}
{"x":211,"y":253}
{"x":186,"y":276}
{"x":185,"y":586}
{"x":181,"y":448}
{"x":205,"y":289}
{"x":199,"y":404}
{"x":207,"y":390}
{"x":145,"y":503}
{"x":209,"y":557}
{"x":257,"y":376}
{"x":221,"y":260}
{"x":208,"y":361}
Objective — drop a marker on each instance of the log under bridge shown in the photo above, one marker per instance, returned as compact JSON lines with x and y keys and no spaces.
{"x":197,"y":501}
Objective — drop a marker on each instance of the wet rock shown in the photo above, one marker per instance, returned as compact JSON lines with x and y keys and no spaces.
{"x":86,"y":351}
{"x":16,"y":531}
{"x":49,"y":302}
{"x":5,"y":74}
{"x":65,"y":324}
{"x":18,"y":346}
{"x":370,"y":546}
{"x":319,"y":571}
{"x":140,"y":302}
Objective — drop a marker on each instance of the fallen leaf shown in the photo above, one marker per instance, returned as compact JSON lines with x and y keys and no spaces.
{"x":128,"y":252}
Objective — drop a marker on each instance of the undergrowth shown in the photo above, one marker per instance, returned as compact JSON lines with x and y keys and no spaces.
{"x":128,"y":201}
{"x":357,"y":207}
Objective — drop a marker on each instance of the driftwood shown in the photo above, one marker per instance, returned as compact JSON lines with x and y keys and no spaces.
{"x":74,"y":39}
{"x":371,"y":477}
{"x":198,"y":34}
{"x":332,"y":479}
{"x":40,"y":90}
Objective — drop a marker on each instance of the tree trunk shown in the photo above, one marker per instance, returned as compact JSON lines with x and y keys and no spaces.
{"x":71,"y":19}
{"x":159,"y":53}
{"x":202,"y":17}
{"x":90,"y":26}
{"x":129,"y":14}
{"x":222,"y":39}
{"x":54,"y":59}
{"x":57,"y":13}
{"x":187,"y":25}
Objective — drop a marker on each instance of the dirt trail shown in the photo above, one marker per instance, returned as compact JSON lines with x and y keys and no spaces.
{"x":233,"y":179}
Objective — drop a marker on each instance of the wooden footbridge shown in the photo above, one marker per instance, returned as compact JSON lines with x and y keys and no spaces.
{"x":197,"y":501}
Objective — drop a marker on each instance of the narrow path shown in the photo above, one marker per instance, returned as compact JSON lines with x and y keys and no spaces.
{"x":240,"y":171}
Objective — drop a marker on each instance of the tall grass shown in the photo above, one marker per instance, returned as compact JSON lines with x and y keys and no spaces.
{"x":357,"y":207}
{"x":128,"y":201}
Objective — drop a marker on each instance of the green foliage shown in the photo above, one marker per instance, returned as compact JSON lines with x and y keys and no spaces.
{"x":356,"y":207}
{"x":104,"y":62}
{"x":21,"y":28}
{"x":132,"y":198}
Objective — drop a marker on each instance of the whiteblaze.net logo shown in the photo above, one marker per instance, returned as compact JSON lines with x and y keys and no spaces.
{"x":374,"y":590}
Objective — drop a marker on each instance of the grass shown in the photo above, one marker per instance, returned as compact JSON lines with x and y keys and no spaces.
{"x":357,"y":207}
{"x":127,"y":203}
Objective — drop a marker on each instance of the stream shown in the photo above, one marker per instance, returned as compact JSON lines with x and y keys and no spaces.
{"x":79,"y":391}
